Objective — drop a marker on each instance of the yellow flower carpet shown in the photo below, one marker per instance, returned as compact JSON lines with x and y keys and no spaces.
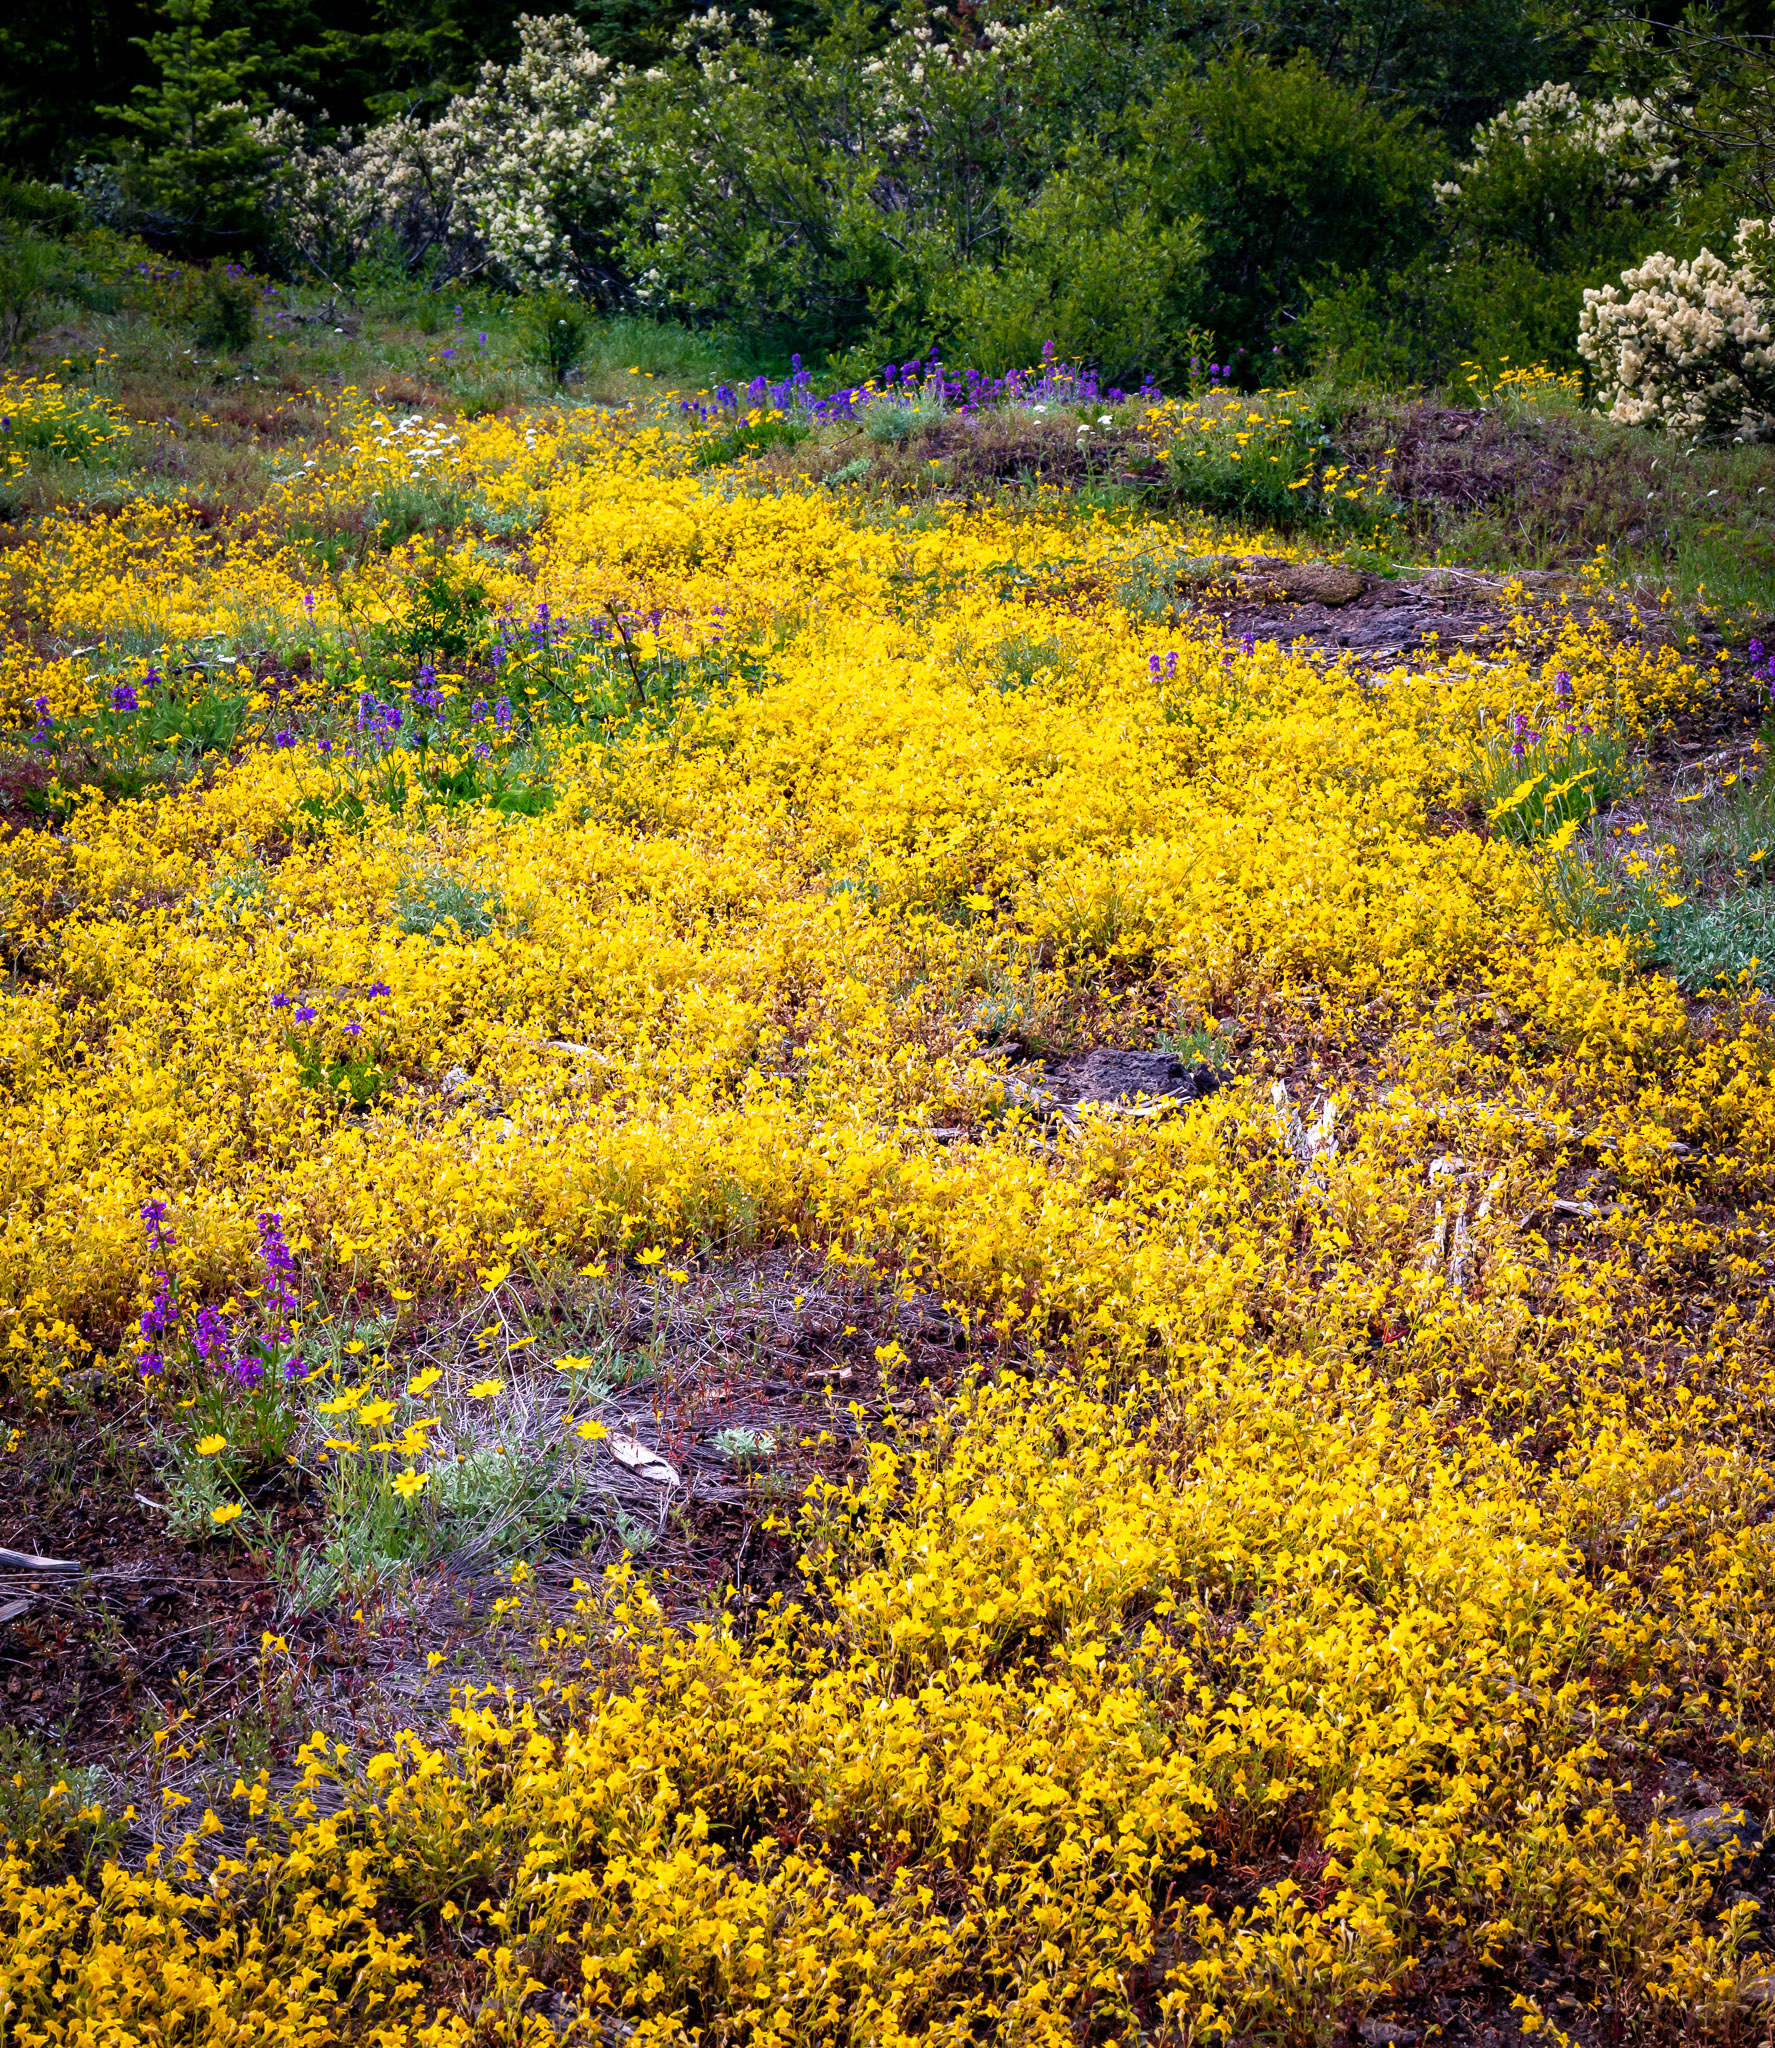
{"x":1331,"y":1539}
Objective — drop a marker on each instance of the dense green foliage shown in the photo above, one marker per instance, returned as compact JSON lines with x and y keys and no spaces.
{"x":1390,"y":187}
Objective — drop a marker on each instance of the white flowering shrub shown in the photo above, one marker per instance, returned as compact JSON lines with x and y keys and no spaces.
{"x":515,"y":178}
{"x":397,"y":185}
{"x":1561,"y":178}
{"x":1688,"y":346}
{"x":538,"y":178}
{"x":831,"y":187}
{"x":1626,"y":140}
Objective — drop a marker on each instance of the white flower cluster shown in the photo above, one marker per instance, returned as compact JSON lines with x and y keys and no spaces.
{"x":538,"y":154}
{"x":515,"y":176}
{"x":1689,"y":346}
{"x":1628,"y":139}
{"x":400,"y":181}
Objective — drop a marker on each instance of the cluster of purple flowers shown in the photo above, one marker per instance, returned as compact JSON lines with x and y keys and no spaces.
{"x":306,"y":1013}
{"x":277,"y":1302}
{"x":161,"y":1317}
{"x":1755,"y":651}
{"x":245,"y":1355}
{"x":923,"y":380}
{"x":629,"y":622}
{"x":1167,"y":668}
{"x":127,"y":696}
{"x":241,"y":1355}
{"x":42,"y":731}
{"x":543,"y":632}
{"x":377,"y":723}
{"x":426,"y":694}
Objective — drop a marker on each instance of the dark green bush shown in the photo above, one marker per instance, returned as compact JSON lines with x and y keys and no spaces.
{"x":448,"y":610}
{"x":1090,"y":268}
{"x":227,"y":314}
{"x":1289,"y":175}
{"x":24,"y":203}
{"x":34,"y":272}
{"x":555,"y":331}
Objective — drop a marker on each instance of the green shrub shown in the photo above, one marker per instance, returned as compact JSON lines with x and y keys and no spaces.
{"x":1268,"y":460}
{"x":1530,"y":781}
{"x":1090,"y":270}
{"x":749,"y":437}
{"x":227,"y":313}
{"x":51,"y":1809}
{"x":34,"y":272}
{"x":1699,"y":942}
{"x":447,"y":611}
{"x":49,"y":209}
{"x":1290,"y":174}
{"x":893,"y":426}
{"x":554,"y":332}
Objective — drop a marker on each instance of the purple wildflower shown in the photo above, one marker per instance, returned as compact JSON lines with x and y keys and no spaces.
{"x":212,"y":1340}
{"x":304,"y":1013}
{"x":123,"y":697}
{"x":162,"y":1313}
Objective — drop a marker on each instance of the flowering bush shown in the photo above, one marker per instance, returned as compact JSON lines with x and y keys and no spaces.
{"x":1541,"y":163}
{"x":518,"y":175}
{"x":1688,"y":346}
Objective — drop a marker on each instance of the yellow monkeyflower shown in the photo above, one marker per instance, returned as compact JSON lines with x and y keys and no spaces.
{"x":229,"y":1511}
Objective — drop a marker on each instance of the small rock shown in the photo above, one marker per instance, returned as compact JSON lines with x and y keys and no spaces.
{"x":455,"y":1081}
{"x":1326,"y":583}
{"x":1378,"y":2031}
{"x":1759,"y":1991}
{"x":1721,"y":1834}
{"x":1108,"y":1074}
{"x":637,"y":1458}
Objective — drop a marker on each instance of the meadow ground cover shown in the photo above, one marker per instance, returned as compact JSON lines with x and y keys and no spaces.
{"x":692,"y":1488}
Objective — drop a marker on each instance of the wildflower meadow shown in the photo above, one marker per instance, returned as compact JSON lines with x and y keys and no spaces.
{"x":806,"y":1239}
